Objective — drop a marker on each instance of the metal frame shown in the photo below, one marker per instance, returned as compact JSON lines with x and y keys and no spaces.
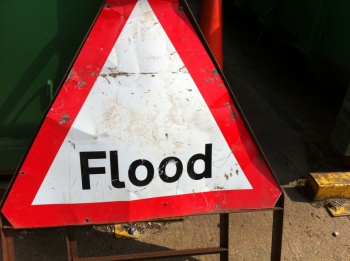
{"x":7,"y":232}
{"x":7,"y":241}
{"x":8,"y":246}
{"x":72,"y":248}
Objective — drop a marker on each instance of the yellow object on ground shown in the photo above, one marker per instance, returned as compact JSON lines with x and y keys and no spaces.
{"x":328,"y":185}
{"x":122,"y":232}
{"x":339,"y":211}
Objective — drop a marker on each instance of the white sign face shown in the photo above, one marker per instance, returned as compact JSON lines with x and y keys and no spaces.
{"x":144,"y":127}
{"x":144,"y":130}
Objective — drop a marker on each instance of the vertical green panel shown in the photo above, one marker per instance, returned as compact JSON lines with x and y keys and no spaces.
{"x":39,"y":40}
{"x":336,"y":34}
{"x":264,"y":8}
{"x":261,"y":9}
{"x":302,"y":22}
{"x":340,"y":138}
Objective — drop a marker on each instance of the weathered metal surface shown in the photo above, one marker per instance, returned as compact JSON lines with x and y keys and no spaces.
{"x":328,"y":185}
{"x":7,"y":242}
{"x":144,"y":127}
{"x":277,"y":230}
{"x":224,"y":235}
{"x":223,"y":249}
{"x":72,"y":248}
{"x":72,"y":245}
{"x":158,"y":255}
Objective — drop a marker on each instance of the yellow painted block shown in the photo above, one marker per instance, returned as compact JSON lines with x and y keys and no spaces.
{"x":343,"y":210}
{"x":121,"y":232}
{"x":328,"y":185}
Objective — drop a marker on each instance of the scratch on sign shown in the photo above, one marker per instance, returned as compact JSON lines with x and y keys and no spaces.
{"x":65,"y":119}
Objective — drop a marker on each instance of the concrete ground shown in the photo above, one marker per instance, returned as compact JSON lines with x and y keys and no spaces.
{"x":292,"y":117}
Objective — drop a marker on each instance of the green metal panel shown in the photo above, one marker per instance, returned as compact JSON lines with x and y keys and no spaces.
{"x":298,"y":23}
{"x":262,"y":9}
{"x":336,"y":33}
{"x":340,"y":138}
{"x":265,"y":9}
{"x":301,"y":22}
{"x":319,"y":29}
{"x":334,"y":47}
{"x":39,"y":40}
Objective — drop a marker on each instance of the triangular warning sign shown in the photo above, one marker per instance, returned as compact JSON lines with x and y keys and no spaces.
{"x":144,"y":127}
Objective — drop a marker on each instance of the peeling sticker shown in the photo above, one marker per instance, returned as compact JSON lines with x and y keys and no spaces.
{"x":65,"y":119}
{"x":211,"y":79}
{"x":214,"y":71}
{"x":81,"y":84}
{"x":233,"y":116}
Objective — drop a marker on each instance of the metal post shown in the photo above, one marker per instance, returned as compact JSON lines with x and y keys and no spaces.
{"x":277,"y":230}
{"x":224,"y":235}
{"x":8,"y":247}
{"x":210,"y":22}
{"x":72,"y":246}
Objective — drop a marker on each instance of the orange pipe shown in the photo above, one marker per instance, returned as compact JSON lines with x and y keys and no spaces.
{"x":210,"y":22}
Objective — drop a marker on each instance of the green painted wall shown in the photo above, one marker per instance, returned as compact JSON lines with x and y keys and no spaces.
{"x":39,"y":40}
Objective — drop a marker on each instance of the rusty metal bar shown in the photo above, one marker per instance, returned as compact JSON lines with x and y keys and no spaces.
{"x":224,"y":235}
{"x":7,"y":242}
{"x":8,"y":248}
{"x":72,"y":246}
{"x":157,"y":255}
{"x":277,"y":230}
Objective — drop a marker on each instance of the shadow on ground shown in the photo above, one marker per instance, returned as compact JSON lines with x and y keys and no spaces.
{"x":290,"y":112}
{"x":50,"y":244}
